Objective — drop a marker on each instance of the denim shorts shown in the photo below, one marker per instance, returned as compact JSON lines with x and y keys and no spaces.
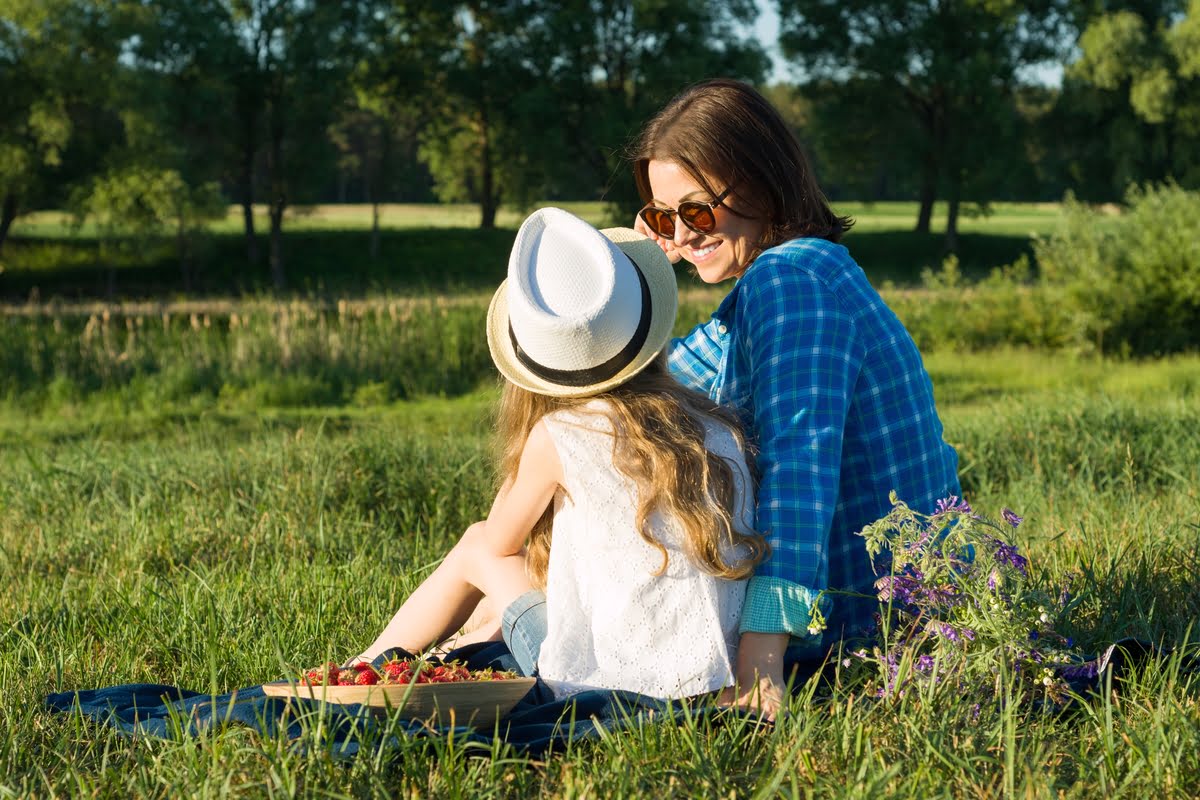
{"x":523,"y":626}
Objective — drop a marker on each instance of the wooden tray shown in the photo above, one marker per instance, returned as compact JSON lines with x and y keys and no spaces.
{"x":471,"y":703}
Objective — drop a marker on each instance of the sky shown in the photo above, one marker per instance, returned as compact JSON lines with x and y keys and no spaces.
{"x":766,"y":28}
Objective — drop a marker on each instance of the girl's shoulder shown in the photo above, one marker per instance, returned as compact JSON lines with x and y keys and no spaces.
{"x":590,"y":417}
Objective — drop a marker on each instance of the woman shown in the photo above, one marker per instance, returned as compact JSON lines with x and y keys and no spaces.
{"x":831,"y":385}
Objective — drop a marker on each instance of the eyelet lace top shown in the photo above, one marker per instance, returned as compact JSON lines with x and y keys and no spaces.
{"x":611,"y":622}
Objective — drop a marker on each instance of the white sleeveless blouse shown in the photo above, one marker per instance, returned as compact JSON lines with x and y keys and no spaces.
{"x":611,"y":622}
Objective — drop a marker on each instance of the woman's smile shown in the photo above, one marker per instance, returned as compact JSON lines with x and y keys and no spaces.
{"x":724,"y":252}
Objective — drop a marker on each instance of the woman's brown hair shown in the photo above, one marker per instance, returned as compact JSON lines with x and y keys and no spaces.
{"x":659,"y":444}
{"x":724,"y":130}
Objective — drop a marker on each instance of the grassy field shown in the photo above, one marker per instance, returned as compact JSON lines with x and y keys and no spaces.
{"x":1002,"y":218}
{"x":431,"y":248}
{"x":212,"y":490}
{"x":215,"y":544}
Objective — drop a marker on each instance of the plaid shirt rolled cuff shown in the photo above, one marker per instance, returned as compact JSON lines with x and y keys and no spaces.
{"x":774,"y":605}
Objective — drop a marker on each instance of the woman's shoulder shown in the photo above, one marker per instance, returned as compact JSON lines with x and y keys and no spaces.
{"x":818,"y":259}
{"x":805,"y":273}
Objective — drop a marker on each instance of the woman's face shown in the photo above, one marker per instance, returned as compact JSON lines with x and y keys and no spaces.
{"x":724,"y":252}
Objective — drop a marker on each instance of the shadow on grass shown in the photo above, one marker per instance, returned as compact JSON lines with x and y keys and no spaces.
{"x":900,"y":256}
{"x":338,"y":262}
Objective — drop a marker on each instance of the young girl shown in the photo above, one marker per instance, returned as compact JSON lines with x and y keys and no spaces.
{"x":632,"y":492}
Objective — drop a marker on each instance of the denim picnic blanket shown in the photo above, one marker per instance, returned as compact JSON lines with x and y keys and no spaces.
{"x":537,"y":725}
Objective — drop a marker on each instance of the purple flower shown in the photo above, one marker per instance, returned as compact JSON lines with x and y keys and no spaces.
{"x":1005,"y":553}
{"x":991,"y":581}
{"x":1033,"y":635}
{"x":948,"y":632}
{"x":904,"y":588}
{"x":925,"y":663}
{"x":951,"y":503}
{"x":1011,"y":517}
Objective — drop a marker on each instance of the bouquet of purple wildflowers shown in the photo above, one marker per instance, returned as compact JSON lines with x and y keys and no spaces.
{"x":958,"y":608}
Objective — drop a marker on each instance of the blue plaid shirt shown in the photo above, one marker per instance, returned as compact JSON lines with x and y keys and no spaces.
{"x":841,"y":409}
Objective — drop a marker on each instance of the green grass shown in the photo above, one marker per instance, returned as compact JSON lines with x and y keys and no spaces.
{"x":430,"y":248}
{"x":215,"y":545}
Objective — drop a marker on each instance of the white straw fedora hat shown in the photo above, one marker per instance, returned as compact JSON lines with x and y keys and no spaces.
{"x":582,"y":310}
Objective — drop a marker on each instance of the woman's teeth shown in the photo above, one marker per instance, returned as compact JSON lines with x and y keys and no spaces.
{"x":704,"y":251}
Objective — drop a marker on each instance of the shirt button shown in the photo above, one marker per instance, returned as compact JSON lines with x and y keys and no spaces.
{"x":722,"y":329}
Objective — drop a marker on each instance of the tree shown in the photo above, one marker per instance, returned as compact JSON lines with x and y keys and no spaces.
{"x":544,"y":97}
{"x":198,"y":81}
{"x":298,"y":54}
{"x":139,"y":205}
{"x":949,"y":66}
{"x":1151,"y":57}
{"x":611,"y":64}
{"x":473,"y":144}
{"x":56,"y":57}
{"x":272,"y":74}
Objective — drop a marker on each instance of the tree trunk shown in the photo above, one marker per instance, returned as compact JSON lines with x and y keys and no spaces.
{"x":181,"y":251}
{"x":375,"y":230}
{"x":8,"y":213}
{"x":278,"y":198}
{"x":369,"y":184}
{"x":278,"y":276}
{"x":954,"y":199}
{"x":247,"y":193}
{"x":487,"y":180}
{"x":928,"y":192}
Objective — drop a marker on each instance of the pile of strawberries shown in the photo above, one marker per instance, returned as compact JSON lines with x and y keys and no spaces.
{"x":401,"y":672}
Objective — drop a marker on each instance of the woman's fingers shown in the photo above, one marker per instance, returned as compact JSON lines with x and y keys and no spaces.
{"x":763,"y":697}
{"x":666,"y":245}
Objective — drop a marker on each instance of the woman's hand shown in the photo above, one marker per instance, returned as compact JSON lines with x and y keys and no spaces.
{"x":667,"y":245}
{"x":760,"y":683}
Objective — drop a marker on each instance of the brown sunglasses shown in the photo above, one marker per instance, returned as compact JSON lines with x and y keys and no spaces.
{"x":700,"y":217}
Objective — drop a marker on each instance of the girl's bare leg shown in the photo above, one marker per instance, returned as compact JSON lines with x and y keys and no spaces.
{"x":447,"y":598}
{"x":482,"y":626}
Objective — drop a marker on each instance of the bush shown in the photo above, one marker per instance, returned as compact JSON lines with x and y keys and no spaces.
{"x":1128,"y":285}
{"x":1133,"y":284}
{"x":1004,"y":309}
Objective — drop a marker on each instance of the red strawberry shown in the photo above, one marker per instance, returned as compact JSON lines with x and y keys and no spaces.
{"x":314,"y":677}
{"x":367,"y":677}
{"x":397,"y":671}
{"x":363,"y":666}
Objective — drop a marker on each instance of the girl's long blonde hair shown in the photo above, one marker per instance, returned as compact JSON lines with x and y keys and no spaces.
{"x":659,"y":445}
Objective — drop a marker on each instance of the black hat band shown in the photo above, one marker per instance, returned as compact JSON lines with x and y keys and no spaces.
{"x":600,"y":372}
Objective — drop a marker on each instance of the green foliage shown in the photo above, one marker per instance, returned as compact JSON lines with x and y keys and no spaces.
{"x":1134,"y":285}
{"x":1149,"y":57}
{"x":1126,"y":284}
{"x":935,"y":81}
{"x":142,"y":203}
{"x":57,"y":62}
{"x":1004,"y":309}
{"x":293,"y":354}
